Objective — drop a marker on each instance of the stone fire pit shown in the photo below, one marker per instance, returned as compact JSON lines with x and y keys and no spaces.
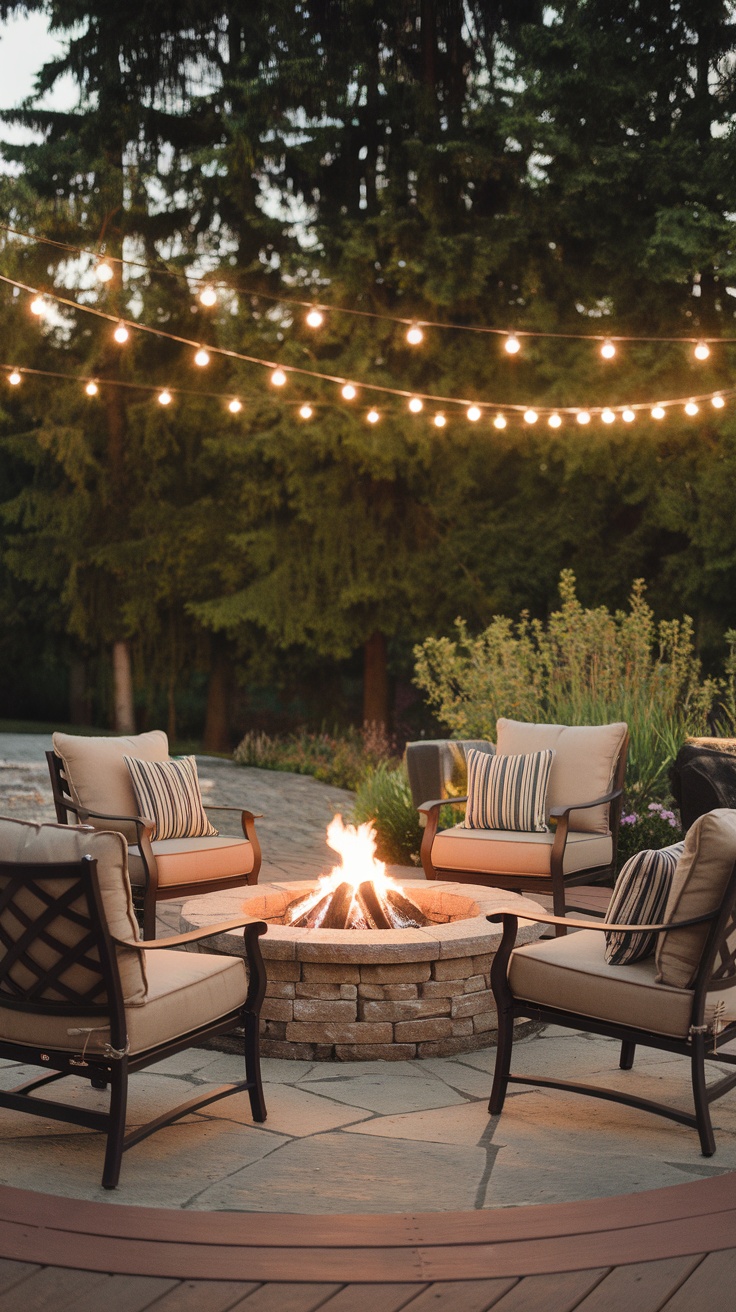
{"x":359,"y":995}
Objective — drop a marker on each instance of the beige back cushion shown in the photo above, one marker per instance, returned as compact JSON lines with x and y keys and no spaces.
{"x":98,"y":777}
{"x":583,"y":766}
{"x":698,"y":886}
{"x":25,"y":842}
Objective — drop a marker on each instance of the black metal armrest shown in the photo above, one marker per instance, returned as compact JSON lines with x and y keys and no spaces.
{"x":604,"y":925}
{"x":426,"y":807}
{"x":193,"y":935}
{"x":557,"y":812}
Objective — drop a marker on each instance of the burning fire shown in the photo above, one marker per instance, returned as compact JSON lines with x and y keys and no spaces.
{"x":357,"y":893}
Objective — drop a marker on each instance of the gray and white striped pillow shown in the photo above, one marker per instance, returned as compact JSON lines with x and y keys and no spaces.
{"x":508,"y":792}
{"x":168,"y":793}
{"x":640,"y":898}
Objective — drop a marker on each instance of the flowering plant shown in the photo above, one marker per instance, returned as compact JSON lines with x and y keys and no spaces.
{"x":653,"y":827}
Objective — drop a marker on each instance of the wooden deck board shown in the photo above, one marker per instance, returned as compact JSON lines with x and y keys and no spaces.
{"x":372,"y":1298}
{"x":555,"y":1293}
{"x":643,"y":1286}
{"x":708,"y":1286}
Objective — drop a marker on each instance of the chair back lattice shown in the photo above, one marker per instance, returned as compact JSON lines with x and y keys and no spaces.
{"x":723,"y":974}
{"x":53,"y":955}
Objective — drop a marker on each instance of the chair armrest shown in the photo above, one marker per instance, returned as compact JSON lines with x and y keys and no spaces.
{"x":557,"y":812}
{"x":604,"y":925}
{"x":139,"y":820}
{"x":238,"y":810}
{"x":425,"y":808}
{"x":176,"y":940}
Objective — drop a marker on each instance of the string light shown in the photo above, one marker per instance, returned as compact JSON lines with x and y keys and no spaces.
{"x":554,"y":420}
{"x":91,"y":389}
{"x":530,"y":416}
{"x":105,"y":271}
{"x":373,"y":416}
{"x":718,"y":402}
{"x":37,"y":305}
{"x":583,"y":417}
{"x":415,"y":335}
{"x":315,"y":318}
{"x":348,"y":392}
{"x":658,"y":412}
{"x":278,"y":378}
{"x":473,"y":414}
{"x":121,"y":333}
{"x":439,"y":420}
{"x":628,"y":415}
{"x":499,"y":421}
{"x":14,"y":378}
{"x":235,"y":406}
{"x":208,"y":297}
{"x":702,"y":351}
{"x":608,"y":350}
{"x":512,"y":345}
{"x":607,"y":416}
{"x":306,"y":411}
{"x":691,"y":408}
{"x":164,"y":398}
{"x":416,"y":404}
{"x":202,"y":358}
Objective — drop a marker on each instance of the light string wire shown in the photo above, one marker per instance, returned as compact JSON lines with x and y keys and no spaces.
{"x":340,"y":380}
{"x":101,"y":382}
{"x":406,"y":321}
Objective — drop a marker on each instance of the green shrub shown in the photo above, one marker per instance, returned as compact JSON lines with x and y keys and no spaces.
{"x":341,"y":759}
{"x":584,"y":666}
{"x":653,"y":827}
{"x":384,"y":797}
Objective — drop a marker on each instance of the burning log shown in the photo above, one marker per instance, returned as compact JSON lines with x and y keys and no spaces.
{"x":362,"y":908}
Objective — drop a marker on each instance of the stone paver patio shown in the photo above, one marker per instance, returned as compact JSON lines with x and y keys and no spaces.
{"x":364,"y":1136}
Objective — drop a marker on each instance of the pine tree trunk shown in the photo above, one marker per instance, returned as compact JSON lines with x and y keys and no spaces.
{"x":79,"y":708}
{"x":171,"y":711}
{"x":217,"y":719}
{"x":123,"y":688}
{"x":375,"y":681}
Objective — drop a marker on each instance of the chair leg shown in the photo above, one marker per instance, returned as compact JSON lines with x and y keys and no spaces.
{"x":702,"y":1108}
{"x":558,"y":907}
{"x":503,"y":1062}
{"x":116,"y":1132}
{"x":149,"y":915}
{"x":253,"y":1067}
{"x":626,"y":1060}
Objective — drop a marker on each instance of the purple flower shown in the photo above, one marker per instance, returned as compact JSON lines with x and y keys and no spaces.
{"x":629,"y":819}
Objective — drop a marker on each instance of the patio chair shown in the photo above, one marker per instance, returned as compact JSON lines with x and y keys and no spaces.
{"x":682,"y":1000}
{"x":583,"y":803}
{"x":90,"y":782}
{"x":82,"y":995}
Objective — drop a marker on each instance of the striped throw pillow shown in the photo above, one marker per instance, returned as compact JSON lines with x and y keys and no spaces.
{"x":640,"y":898}
{"x":508,"y":792}
{"x":167,"y":792}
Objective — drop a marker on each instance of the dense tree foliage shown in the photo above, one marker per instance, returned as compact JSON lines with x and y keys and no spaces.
{"x":568,"y":169}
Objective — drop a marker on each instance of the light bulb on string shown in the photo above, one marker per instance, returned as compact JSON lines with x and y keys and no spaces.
{"x":530,"y":416}
{"x":164,"y":397}
{"x":658,"y":412}
{"x":202,"y":358}
{"x":607,"y":416}
{"x":348,"y":392}
{"x":315,"y":318}
{"x":105,"y":271}
{"x":14,"y":378}
{"x":608,"y":350}
{"x":691,"y":409}
{"x":208,"y":297}
{"x":373,"y":416}
{"x":583,"y":417}
{"x":306,"y":411}
{"x":554,"y":420}
{"x":121,"y":334}
{"x":702,"y":351}
{"x":439,"y":420}
{"x":717,"y":402}
{"x":415,"y":336}
{"x":512,"y":345}
{"x":628,"y":415}
{"x":473,"y":414}
{"x":416,"y":404}
{"x":278,"y":378}
{"x":91,"y":389}
{"x":499,"y":421}
{"x":235,"y":406}
{"x":37,"y":306}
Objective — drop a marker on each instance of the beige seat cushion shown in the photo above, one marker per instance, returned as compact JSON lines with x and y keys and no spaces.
{"x":698,"y":885}
{"x":583,"y":767}
{"x":23,"y":841}
{"x":185,"y":990}
{"x":98,"y":777}
{"x":571,"y":974}
{"x":194,"y":860}
{"x":502,"y":851}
